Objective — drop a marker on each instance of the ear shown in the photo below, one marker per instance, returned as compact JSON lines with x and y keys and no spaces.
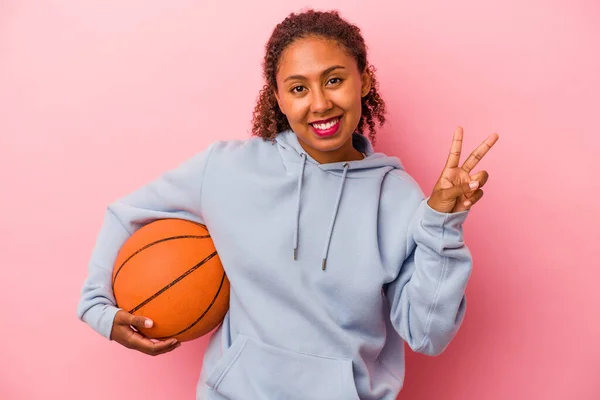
{"x":366,"y":83}
{"x":278,"y":100}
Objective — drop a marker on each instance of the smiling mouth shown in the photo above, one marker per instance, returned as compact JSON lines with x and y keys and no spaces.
{"x":326,"y":124}
{"x":326,"y":128}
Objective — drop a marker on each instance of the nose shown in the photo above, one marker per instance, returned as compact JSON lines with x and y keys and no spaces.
{"x":320,"y":104}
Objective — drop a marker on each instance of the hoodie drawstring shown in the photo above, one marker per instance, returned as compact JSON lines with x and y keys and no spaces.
{"x":337,"y":206}
{"x":333,"y":218}
{"x":300,"y":179}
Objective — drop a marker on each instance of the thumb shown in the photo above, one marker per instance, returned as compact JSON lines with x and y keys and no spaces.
{"x":140,"y":322}
{"x":459,"y":190}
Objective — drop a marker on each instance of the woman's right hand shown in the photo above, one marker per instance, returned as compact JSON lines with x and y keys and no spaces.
{"x":123,"y":333}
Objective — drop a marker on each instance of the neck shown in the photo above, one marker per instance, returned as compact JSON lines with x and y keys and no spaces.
{"x":345,"y":153}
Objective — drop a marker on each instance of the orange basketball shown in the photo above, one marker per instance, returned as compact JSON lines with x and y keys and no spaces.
{"x":170,"y":272}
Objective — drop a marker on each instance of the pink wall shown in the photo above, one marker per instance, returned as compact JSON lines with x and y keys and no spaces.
{"x":98,"y":97}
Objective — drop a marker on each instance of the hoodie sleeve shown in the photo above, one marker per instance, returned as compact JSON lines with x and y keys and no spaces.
{"x":175,"y":194}
{"x":428,"y":297}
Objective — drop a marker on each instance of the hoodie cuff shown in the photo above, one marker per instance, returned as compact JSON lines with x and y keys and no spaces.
{"x":100,"y":318}
{"x":438,"y":230}
{"x":434,"y":218}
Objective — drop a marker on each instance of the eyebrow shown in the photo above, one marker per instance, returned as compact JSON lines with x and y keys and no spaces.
{"x":327,"y":71}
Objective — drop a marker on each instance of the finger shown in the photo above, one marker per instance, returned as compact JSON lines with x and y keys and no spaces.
{"x":139,"y":322}
{"x":147,"y":346}
{"x":473,"y":199}
{"x":124,"y":318}
{"x":171,"y":348}
{"x":465,"y":189}
{"x":455,"y":149}
{"x":481,"y":177}
{"x":479,"y":152}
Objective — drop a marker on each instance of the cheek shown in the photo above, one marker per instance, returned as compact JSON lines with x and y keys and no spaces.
{"x":296,"y":109}
{"x":349,"y":98}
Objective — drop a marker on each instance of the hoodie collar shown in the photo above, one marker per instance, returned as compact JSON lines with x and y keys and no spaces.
{"x":293,"y":154}
{"x":370,"y":165}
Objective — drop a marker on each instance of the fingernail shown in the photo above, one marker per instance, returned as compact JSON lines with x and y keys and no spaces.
{"x":173,"y":343}
{"x":474,"y":184}
{"x":148,"y":323}
{"x":467,"y":203}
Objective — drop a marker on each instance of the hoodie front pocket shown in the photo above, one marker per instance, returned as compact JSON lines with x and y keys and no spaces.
{"x":250,"y":369}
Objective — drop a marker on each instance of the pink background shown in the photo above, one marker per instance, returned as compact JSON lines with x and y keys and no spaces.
{"x":98,"y":97}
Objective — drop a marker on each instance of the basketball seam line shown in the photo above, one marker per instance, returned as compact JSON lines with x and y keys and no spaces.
{"x":189,"y":271}
{"x":150,"y":245}
{"x":203,"y":314}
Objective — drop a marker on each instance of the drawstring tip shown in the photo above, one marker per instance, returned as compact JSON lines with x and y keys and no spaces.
{"x":295,"y":254}
{"x":323,"y":264}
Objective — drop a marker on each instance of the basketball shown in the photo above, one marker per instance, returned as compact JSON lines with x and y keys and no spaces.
{"x":169,"y":271}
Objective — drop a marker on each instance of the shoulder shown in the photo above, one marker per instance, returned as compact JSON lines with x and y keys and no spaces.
{"x":235,"y":148}
{"x":399,"y":188}
{"x":400,"y":181}
{"x":238,"y":155}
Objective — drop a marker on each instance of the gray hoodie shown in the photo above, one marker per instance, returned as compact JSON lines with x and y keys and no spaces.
{"x":332,"y":268}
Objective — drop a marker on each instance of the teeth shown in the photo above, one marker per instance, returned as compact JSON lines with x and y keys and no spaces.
{"x":326,"y":125}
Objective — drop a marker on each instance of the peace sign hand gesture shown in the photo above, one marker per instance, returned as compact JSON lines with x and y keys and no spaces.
{"x":456,"y":190}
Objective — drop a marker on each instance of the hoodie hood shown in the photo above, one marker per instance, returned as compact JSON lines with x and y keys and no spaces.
{"x":370,"y":165}
{"x":374,"y":164}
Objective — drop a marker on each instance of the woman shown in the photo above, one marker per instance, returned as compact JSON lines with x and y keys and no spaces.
{"x":334,"y":255}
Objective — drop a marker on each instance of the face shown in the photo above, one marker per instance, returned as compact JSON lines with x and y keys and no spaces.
{"x":319,"y":89}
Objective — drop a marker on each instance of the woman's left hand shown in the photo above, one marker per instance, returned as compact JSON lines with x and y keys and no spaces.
{"x":458,"y":190}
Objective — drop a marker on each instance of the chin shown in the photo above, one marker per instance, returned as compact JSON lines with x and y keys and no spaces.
{"x":324,"y":144}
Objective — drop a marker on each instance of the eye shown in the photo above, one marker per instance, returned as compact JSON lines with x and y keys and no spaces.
{"x":297,"y":89}
{"x":334,"y":81}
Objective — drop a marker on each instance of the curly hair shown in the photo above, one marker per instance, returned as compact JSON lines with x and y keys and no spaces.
{"x":268,"y":120}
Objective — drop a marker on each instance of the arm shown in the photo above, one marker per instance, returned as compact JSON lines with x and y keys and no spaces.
{"x":428,"y":297}
{"x":175,"y":194}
